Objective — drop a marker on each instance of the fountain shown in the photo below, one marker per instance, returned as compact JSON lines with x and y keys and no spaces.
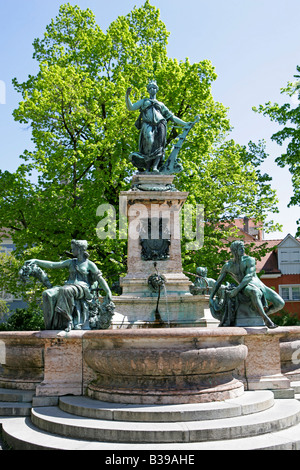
{"x":157,"y":342}
{"x":155,"y":352}
{"x":158,"y":353}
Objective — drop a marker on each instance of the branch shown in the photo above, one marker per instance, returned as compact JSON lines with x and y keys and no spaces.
{"x":23,"y":220}
{"x":14,"y":228}
{"x":90,"y":166}
{"x":84,"y":172}
{"x":63,"y":117}
{"x":103,"y":111}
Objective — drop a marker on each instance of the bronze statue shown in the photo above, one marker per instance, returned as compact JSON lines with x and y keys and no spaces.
{"x":250,"y":291}
{"x":152,"y":123}
{"x":75,"y":304}
{"x":203,"y":284}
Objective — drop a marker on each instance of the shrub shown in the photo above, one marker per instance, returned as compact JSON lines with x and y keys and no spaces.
{"x":24,"y":320}
{"x":286,"y":319}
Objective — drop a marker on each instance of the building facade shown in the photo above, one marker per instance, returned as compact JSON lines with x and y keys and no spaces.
{"x":280,"y":270}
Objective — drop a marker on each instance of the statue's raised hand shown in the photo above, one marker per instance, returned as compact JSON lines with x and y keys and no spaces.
{"x":30,"y":261}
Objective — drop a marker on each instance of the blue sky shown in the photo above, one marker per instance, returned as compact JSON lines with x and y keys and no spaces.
{"x":254,"y":46}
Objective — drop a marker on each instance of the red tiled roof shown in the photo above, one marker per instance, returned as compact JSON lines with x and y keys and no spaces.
{"x":269,"y":262}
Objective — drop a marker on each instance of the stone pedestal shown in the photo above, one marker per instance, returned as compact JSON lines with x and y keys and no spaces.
{"x":62,"y":364}
{"x":152,"y":182}
{"x":154,"y":216}
{"x":152,"y":209}
{"x":171,"y":311}
{"x":262,"y":367}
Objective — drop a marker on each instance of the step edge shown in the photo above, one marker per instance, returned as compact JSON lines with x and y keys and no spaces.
{"x":180,"y":430}
{"x":11,"y":437}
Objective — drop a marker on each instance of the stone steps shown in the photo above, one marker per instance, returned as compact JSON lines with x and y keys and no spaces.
{"x":252,"y":421}
{"x":20,"y":434}
{"x":15,"y":395}
{"x":296,"y":386}
{"x":56,"y":421}
{"x":15,"y":402}
{"x":14,"y":409}
{"x":250,"y":402}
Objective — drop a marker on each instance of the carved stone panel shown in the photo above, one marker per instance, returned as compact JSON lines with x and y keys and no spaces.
{"x":155,"y":239}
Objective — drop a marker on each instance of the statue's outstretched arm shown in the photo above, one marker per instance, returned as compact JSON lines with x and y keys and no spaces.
{"x":102,"y":282}
{"x":132,"y":106}
{"x":50,"y":264}
{"x":178,"y":121}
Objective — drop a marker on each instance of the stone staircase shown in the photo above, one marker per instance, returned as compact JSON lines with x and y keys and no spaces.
{"x":296,"y":387}
{"x":15,"y":402}
{"x":256,"y":420}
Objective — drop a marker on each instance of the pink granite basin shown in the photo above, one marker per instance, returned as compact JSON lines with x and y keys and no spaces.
{"x":290,"y":352}
{"x":21,"y":359}
{"x":180,"y":365}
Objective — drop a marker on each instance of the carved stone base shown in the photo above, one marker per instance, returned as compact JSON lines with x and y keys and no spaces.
{"x":63,"y":364}
{"x":152,"y":182}
{"x":55,"y":363}
{"x":21,"y":360}
{"x":173,"y":310}
{"x":262,"y":367}
{"x":155,"y":206}
{"x":180,"y":365}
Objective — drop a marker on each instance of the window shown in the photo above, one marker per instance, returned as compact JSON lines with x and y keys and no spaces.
{"x":289,"y":259}
{"x":290,"y":256}
{"x":290,"y":293}
{"x":296,"y":293}
{"x":285,"y":293}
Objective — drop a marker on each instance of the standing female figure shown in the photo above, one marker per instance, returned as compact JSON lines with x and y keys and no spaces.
{"x":152,"y":124}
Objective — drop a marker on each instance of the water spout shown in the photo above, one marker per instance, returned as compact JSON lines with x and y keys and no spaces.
{"x":156,"y":282}
{"x":167,"y":307}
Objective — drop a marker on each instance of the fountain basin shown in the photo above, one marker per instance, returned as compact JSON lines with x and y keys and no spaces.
{"x":290,"y":352}
{"x":146,"y":365}
{"x":165,"y":365}
{"x":21,"y":360}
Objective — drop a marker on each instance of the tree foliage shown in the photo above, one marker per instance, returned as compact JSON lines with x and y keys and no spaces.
{"x":83,"y":135}
{"x":23,"y":319}
{"x":288,"y":115}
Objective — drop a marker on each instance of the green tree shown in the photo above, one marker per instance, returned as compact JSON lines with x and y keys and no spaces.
{"x":83,"y":134}
{"x":24,"y":320}
{"x":288,"y":115}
